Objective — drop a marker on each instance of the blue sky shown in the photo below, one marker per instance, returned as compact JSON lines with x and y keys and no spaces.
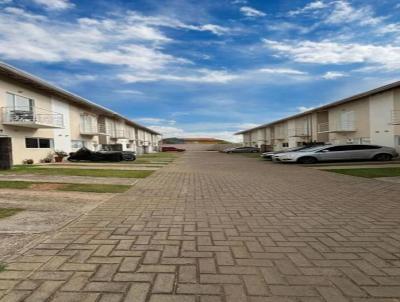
{"x":205,"y":68}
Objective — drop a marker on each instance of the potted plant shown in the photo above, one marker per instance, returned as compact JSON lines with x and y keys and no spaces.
{"x":59,"y":156}
{"x":48,"y":158}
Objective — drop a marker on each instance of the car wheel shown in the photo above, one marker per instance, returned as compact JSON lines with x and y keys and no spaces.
{"x":307,"y":160}
{"x":383,"y":157}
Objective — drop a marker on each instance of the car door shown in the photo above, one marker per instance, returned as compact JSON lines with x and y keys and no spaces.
{"x":342,"y":152}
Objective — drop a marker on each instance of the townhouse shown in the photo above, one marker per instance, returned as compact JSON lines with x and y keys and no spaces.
{"x":38,"y":118}
{"x":372,"y":117}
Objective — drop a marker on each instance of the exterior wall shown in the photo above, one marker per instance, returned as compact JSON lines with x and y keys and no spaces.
{"x":62,"y":137}
{"x":381,"y":130}
{"x":247,"y":139}
{"x":396,"y":112}
{"x":18,"y":133}
{"x":360,"y":109}
{"x":90,"y":141}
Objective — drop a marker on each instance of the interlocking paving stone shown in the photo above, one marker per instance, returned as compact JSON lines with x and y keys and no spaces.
{"x":220,"y":228}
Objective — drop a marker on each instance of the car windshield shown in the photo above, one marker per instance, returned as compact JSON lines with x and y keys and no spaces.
{"x":312,"y":149}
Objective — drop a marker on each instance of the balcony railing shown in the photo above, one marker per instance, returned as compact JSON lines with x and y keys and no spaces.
{"x":119,"y":133}
{"x":395,"y":117}
{"x":348,"y":126}
{"x":300,"y":132}
{"x":31,"y":117}
{"x":89,"y":129}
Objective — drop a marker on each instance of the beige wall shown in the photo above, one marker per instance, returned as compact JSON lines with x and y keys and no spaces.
{"x":73,"y":132}
{"x":18,"y":134}
{"x":361,"y":117}
{"x":372,"y":124}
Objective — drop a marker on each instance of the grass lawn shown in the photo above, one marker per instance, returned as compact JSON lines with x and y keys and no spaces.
{"x":369,"y":172}
{"x":2,"y":267}
{"x":96,"y":188}
{"x":79,"y":172}
{"x":7,"y":212}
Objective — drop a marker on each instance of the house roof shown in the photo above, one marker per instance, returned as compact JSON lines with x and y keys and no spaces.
{"x":324,"y":107}
{"x":33,"y":81}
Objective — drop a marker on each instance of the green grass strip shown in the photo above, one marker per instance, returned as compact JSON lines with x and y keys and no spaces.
{"x":80,"y":172}
{"x":369,"y":172}
{"x":2,"y":267}
{"x":95,"y":188}
{"x":7,"y":212}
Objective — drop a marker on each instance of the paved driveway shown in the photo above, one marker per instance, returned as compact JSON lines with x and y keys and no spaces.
{"x":215,"y":227}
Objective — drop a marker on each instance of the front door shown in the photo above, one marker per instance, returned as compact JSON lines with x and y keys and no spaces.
{"x":5,"y":153}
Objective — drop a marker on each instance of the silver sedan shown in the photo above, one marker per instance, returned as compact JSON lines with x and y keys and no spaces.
{"x":338,"y":153}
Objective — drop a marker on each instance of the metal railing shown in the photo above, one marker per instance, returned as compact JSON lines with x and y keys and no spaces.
{"x":300,"y":132}
{"x":396,"y":117}
{"x":119,"y":133}
{"x":31,"y":115}
{"x":337,"y":127}
{"x":89,"y":128}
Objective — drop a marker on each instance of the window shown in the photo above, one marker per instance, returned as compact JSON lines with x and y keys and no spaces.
{"x":19,"y":102}
{"x":342,"y":148}
{"x":31,"y":143}
{"x":41,"y":143}
{"x":285,"y":145}
{"x":365,"y":147}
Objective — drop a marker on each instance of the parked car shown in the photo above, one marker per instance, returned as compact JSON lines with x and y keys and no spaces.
{"x":172,"y":149}
{"x":268,"y":155}
{"x":85,"y":154}
{"x":338,"y":153}
{"x":242,"y":150}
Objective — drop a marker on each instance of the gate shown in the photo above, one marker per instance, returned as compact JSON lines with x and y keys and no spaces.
{"x":5,"y":153}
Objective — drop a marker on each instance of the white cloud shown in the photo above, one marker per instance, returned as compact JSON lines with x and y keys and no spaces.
{"x":328,"y":52}
{"x":197,"y":76}
{"x":339,"y":12}
{"x":155,"y":121}
{"x":55,"y":4}
{"x":251,"y":12}
{"x":316,"y":5}
{"x":332,"y":75}
{"x":20,"y":13}
{"x":304,"y":108}
{"x":284,"y":71}
{"x":129,"y":91}
{"x":343,"y":12}
{"x":389,"y":28}
{"x":161,"y":21}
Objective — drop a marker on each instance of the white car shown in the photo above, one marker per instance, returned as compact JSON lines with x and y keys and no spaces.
{"x":337,"y":153}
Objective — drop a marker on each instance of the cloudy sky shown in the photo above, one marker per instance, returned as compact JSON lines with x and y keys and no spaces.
{"x":205,"y":68}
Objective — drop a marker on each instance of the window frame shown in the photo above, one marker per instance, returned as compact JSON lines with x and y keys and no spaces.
{"x":38,"y":143}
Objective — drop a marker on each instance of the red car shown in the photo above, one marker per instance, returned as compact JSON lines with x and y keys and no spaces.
{"x":172,"y":149}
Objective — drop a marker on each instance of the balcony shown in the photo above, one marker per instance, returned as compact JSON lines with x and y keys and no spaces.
{"x":300,"y":132}
{"x":119,"y":133}
{"x":89,"y":129}
{"x":348,"y":126}
{"x":395,"y":117}
{"x":31,"y":117}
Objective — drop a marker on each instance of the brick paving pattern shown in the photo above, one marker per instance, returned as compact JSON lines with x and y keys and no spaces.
{"x":220,"y":228}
